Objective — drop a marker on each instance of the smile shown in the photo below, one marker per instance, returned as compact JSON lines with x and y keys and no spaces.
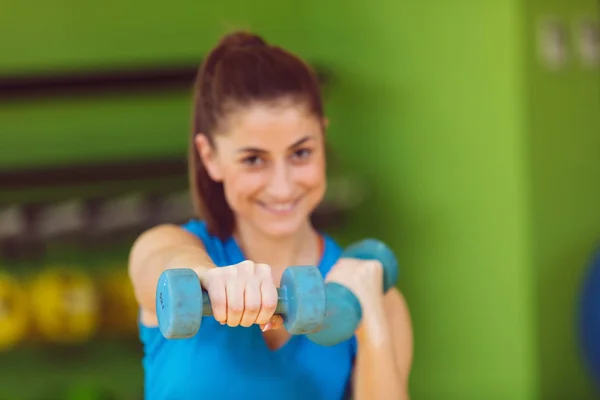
{"x":279,"y":208}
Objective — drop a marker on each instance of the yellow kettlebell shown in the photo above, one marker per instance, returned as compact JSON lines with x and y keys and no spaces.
{"x":14,"y":317}
{"x":120,"y":308}
{"x":65,"y":305}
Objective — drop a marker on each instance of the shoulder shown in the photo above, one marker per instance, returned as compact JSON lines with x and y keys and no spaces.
{"x":191,"y":233}
{"x":157,"y":237}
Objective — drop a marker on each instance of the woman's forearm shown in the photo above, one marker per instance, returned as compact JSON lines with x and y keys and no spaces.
{"x":376,"y":374}
{"x":158,"y":249}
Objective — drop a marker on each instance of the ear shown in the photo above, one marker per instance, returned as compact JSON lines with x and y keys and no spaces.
{"x":208,"y":156}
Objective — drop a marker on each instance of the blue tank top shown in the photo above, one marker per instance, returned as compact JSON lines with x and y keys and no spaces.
{"x":226,"y":363}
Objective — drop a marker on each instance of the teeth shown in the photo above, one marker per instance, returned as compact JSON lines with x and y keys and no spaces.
{"x":281,"y":207}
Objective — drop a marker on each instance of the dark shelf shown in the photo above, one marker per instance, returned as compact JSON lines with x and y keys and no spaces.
{"x":75,"y":174}
{"x":92,"y":83}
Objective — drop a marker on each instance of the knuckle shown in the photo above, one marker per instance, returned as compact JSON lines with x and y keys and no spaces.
{"x":232,"y":273}
{"x":228,"y":270}
{"x":263,"y":269}
{"x":246,"y":266}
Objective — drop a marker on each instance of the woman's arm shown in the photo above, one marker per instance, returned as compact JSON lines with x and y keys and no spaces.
{"x":156,"y":250}
{"x":385,"y":349}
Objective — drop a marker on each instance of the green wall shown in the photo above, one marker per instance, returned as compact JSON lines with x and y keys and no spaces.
{"x":491,"y":207}
{"x":436,"y":88}
{"x":66,"y":35}
{"x":564,"y":174}
{"x":488,"y":184}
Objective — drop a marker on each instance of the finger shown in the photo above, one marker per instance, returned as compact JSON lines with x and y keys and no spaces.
{"x":235,"y":301}
{"x":268,"y":293}
{"x":252,"y":302}
{"x":268,"y":305}
{"x":218,"y":300}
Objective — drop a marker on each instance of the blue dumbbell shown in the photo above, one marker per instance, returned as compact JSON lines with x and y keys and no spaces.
{"x":343,"y":308}
{"x":181,"y":302}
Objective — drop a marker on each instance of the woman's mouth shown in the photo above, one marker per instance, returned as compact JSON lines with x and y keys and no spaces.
{"x":279,"y":208}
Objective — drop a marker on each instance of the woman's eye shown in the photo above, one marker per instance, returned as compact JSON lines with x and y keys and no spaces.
{"x":302,"y":153}
{"x":252,"y":160}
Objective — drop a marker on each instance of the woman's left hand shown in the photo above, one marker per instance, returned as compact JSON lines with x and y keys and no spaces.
{"x":363,"y":277}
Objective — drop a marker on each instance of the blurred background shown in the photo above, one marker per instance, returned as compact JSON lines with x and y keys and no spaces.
{"x":466,"y":134}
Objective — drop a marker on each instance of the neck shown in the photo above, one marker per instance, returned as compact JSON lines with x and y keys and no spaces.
{"x":280,"y":252}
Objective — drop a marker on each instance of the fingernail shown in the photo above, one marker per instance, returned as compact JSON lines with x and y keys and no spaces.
{"x":267,"y":326}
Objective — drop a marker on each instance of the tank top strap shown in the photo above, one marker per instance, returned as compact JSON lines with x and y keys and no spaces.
{"x":222,"y":252}
{"x":330,"y":254}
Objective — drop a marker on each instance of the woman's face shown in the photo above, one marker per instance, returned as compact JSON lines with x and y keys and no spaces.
{"x":271,"y":161}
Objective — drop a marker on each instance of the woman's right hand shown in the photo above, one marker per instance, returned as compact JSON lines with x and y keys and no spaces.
{"x":242,"y":294}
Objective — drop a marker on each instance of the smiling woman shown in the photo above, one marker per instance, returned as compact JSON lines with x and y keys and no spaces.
{"x":272,"y":166}
{"x":258,"y":171}
{"x":270,"y":104}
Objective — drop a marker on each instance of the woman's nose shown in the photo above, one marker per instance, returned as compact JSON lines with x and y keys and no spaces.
{"x":280,"y":185}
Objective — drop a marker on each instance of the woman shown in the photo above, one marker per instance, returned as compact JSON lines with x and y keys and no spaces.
{"x":257,"y":171}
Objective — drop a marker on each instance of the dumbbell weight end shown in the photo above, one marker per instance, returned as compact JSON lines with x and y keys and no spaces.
{"x":179,"y":303}
{"x":342,"y":317}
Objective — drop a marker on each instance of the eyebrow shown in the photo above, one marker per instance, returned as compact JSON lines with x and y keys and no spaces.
{"x":261,"y":151}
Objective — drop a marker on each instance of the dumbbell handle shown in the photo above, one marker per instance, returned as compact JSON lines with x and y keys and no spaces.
{"x":280,"y":309}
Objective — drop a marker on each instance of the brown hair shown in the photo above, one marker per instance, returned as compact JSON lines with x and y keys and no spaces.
{"x":242,"y":69}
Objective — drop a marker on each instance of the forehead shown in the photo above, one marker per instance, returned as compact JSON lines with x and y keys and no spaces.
{"x":270,"y":126}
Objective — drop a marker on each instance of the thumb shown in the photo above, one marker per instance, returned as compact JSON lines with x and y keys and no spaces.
{"x":276,"y":322}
